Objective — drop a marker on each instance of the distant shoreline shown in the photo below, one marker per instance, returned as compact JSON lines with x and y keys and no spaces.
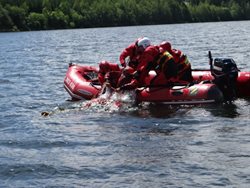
{"x":122,"y":26}
{"x":27,"y":15}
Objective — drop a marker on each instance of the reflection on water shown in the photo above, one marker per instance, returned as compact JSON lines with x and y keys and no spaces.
{"x":158,"y":110}
{"x":229,"y":110}
{"x":235,"y":109}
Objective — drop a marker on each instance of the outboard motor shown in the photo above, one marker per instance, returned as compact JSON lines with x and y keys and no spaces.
{"x":225,"y":73}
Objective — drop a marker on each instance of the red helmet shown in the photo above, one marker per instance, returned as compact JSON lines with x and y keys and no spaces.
{"x":165,"y":46}
{"x":103,"y":66}
{"x":177,"y":52}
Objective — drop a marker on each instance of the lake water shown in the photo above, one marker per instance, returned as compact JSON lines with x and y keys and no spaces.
{"x":107,"y":146}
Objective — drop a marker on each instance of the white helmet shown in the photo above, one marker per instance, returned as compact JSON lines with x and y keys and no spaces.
{"x":144,"y":42}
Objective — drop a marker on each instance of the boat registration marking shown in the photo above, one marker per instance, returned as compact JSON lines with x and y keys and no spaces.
{"x":70,"y":83}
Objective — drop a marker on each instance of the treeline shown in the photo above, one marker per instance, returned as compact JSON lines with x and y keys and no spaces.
{"x":23,"y":15}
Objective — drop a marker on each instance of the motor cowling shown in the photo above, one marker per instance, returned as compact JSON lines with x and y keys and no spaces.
{"x":225,"y":73}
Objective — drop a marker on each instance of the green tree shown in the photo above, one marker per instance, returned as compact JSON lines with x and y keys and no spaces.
{"x":57,"y":20}
{"x":6,"y":23}
{"x":34,"y":5}
{"x":236,"y":11}
{"x":17,"y":15}
{"x":76,"y":19}
{"x":223,"y":14}
{"x":128,"y":11}
{"x":65,"y":6}
{"x":143,"y":12}
{"x":247,"y":11}
{"x":36,"y":21}
{"x":176,"y":11}
{"x":166,"y":14}
{"x":104,"y":13}
{"x":51,"y":4}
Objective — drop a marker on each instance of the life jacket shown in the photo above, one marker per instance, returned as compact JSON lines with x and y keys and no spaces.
{"x":182,"y":62}
{"x":165,"y":63}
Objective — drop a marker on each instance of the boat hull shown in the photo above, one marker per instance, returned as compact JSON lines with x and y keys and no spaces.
{"x":79,"y":85}
{"x":195,"y":94}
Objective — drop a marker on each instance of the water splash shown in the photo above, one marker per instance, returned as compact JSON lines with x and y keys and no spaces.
{"x":111,"y":102}
{"x":108,"y":102}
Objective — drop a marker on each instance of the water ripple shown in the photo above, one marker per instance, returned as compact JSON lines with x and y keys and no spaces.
{"x":110,"y":145}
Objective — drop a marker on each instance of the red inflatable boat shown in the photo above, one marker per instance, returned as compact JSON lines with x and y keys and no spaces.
{"x":242,"y":84}
{"x":78,"y":83}
{"x":195,"y":94}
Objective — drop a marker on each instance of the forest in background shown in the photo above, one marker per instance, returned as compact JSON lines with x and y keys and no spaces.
{"x":26,"y":15}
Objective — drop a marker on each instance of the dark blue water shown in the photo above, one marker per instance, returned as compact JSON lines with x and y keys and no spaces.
{"x":103,"y":145}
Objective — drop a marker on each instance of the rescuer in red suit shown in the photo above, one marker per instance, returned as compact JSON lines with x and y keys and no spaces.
{"x":130,"y":56}
{"x":170,"y":65}
{"x":148,"y":53}
{"x":153,"y":58}
{"x":109,"y":72}
{"x":183,"y":64}
{"x":129,"y":59}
